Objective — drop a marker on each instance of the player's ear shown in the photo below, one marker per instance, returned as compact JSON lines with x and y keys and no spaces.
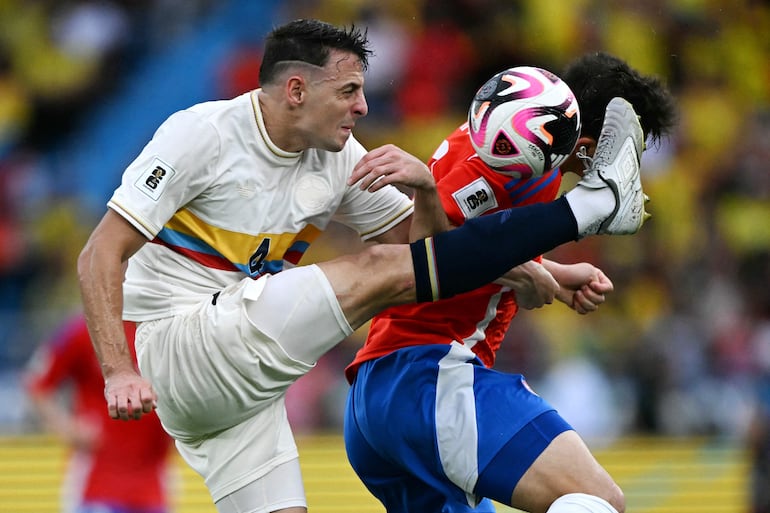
{"x":295,"y":89}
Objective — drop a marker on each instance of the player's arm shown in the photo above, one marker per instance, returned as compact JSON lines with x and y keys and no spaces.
{"x":533,"y":284}
{"x":429,"y":217}
{"x":390,"y":164}
{"x":582,"y":286}
{"x":101,"y":267}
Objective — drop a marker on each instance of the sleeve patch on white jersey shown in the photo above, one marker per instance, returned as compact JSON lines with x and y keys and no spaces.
{"x":154,"y":181}
{"x":475,"y":198}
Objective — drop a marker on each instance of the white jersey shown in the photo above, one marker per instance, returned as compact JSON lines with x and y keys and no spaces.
{"x":219,"y":201}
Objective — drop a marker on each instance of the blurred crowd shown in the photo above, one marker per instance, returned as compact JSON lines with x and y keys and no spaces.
{"x":59,"y":61}
{"x":683,"y":345}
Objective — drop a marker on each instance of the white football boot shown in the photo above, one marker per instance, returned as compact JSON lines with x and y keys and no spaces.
{"x":615,"y":164}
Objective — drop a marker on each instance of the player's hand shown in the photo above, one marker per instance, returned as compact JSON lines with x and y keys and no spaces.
{"x":583,"y":287}
{"x":128,"y":395}
{"x":390,"y":164}
{"x":533,"y":284}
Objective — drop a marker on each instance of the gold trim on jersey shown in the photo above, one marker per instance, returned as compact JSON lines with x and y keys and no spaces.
{"x":278,"y":152}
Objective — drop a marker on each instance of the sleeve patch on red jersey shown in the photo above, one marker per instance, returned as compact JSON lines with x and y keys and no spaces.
{"x":475,"y":198}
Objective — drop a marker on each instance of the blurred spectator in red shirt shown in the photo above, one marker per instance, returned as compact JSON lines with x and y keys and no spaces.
{"x":115,"y":467}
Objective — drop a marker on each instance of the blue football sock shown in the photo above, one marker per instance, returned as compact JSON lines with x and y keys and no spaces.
{"x":485,"y":248}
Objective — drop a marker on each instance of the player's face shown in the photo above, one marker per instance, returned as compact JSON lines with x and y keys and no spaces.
{"x":335,"y":101}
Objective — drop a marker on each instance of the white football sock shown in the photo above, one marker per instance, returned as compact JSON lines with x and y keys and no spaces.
{"x":580,"y":503}
{"x":590,"y":207}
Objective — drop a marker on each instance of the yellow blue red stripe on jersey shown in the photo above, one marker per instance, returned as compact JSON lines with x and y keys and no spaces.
{"x":227,"y":250}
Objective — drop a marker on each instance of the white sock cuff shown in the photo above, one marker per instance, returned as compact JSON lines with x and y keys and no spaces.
{"x":581,"y":503}
{"x":590,"y":207}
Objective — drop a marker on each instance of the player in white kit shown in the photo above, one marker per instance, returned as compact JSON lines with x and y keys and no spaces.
{"x":225,"y":196}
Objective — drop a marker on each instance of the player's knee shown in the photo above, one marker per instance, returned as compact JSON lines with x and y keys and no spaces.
{"x":586,"y":503}
{"x":605,"y":490}
{"x":616,"y":498}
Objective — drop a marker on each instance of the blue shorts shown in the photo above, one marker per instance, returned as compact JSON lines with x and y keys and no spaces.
{"x":430,"y":429}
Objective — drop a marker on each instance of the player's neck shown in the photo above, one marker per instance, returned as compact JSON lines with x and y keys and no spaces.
{"x":279,"y":124}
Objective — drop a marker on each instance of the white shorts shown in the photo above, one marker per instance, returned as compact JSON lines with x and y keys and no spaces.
{"x":272,"y":492}
{"x":221,"y":376}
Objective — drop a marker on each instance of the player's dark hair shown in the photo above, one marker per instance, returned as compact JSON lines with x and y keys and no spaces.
{"x":310,"y":41}
{"x":596,"y":78}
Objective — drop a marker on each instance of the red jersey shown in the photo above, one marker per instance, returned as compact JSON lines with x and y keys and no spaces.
{"x":479,"y":319}
{"x":128,"y":465}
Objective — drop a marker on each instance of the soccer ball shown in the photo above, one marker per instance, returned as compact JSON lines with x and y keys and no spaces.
{"x":524,"y":121}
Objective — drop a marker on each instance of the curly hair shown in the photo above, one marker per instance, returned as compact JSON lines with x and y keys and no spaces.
{"x":596,"y":78}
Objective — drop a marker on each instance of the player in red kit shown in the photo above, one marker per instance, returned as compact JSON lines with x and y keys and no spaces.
{"x":480,"y":318}
{"x":115,"y":467}
{"x":429,"y":426}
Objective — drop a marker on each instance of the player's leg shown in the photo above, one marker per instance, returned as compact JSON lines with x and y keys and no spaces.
{"x":608,"y":200}
{"x":566,"y":478}
{"x":280,"y":490}
{"x":335,"y":297}
{"x":416,"y":462}
{"x":395,"y":489}
{"x":546,"y":467}
{"x":462,"y":259}
{"x":252,"y":466}
{"x":465,"y":432}
{"x":537,"y":464}
{"x":221,"y":383}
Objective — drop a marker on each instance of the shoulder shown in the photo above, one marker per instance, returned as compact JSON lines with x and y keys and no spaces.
{"x":209,"y":118}
{"x":184,"y":131}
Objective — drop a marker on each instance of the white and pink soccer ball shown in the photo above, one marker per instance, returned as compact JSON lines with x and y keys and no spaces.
{"x":524,"y":121}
